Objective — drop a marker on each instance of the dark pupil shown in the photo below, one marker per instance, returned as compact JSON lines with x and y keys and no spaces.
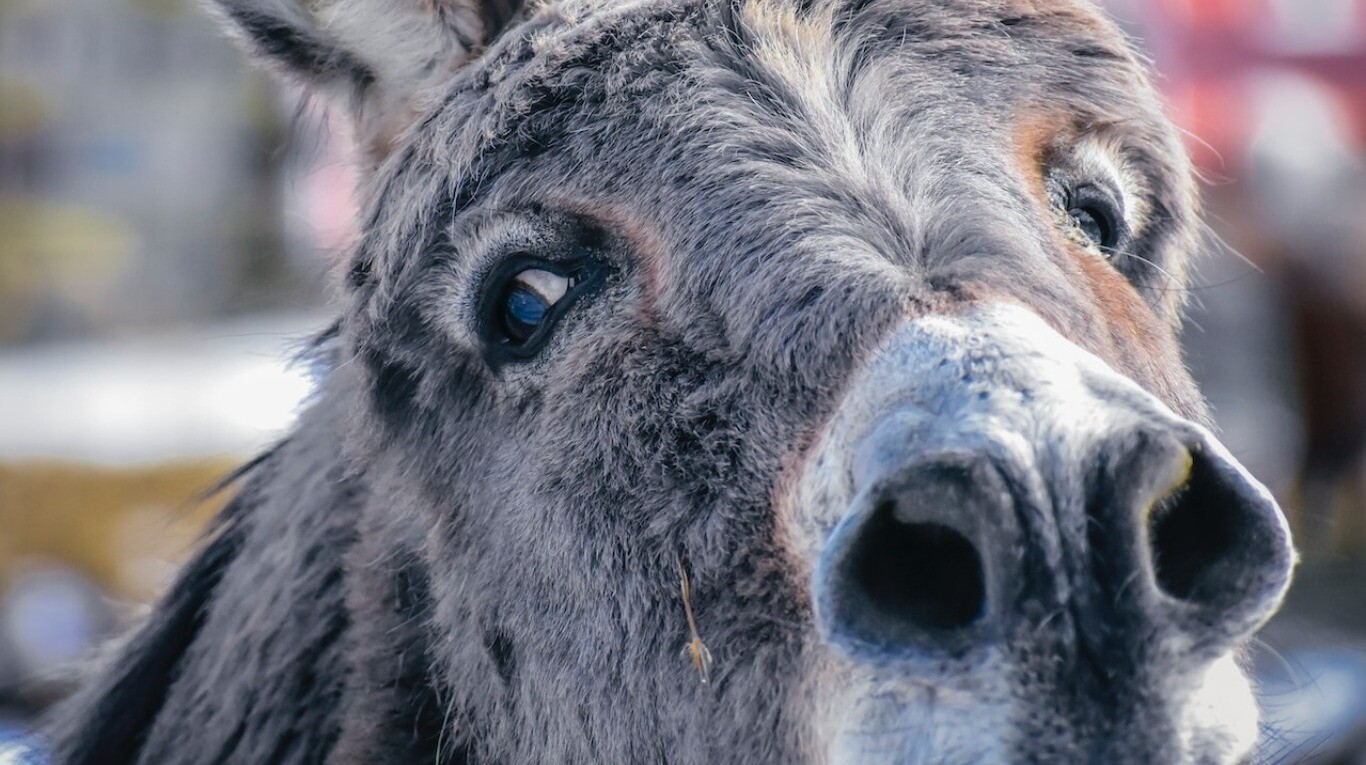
{"x":1093,"y":225}
{"x":523,"y":311}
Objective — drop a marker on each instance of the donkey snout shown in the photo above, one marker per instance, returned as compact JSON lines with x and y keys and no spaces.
{"x":1003,"y":488}
{"x":947,"y":549}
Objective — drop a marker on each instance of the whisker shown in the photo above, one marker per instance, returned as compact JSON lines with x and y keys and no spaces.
{"x":1280,"y":657}
{"x":1208,"y":176}
{"x":1160,"y":269}
{"x":1176,"y":285}
{"x":1213,"y":236}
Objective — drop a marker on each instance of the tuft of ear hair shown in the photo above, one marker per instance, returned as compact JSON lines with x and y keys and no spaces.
{"x":372,"y":58}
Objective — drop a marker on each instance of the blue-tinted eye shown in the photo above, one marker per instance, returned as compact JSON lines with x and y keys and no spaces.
{"x":527,"y":300}
{"x":524,"y":298}
{"x":523,"y":312}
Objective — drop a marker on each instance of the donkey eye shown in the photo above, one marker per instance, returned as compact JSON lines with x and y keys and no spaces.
{"x":524,"y":299}
{"x":527,"y":301}
{"x":1097,"y":217}
{"x":1094,"y":225}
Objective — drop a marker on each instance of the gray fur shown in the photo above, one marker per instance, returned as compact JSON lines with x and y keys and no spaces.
{"x":463,"y":561}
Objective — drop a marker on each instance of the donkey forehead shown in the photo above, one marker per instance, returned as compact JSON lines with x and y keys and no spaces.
{"x":664,"y":112}
{"x":726,"y":132}
{"x":630,"y":72}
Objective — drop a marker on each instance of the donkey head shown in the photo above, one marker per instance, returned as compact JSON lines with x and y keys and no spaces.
{"x":788,"y":380}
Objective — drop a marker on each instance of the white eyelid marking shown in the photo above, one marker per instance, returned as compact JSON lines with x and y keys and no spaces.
{"x":1104,"y":157}
{"x":550,"y":286}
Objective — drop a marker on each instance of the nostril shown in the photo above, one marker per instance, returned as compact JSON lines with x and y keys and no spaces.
{"x":904,"y":574}
{"x":921,"y":576}
{"x":924,"y":573}
{"x":1208,"y":538}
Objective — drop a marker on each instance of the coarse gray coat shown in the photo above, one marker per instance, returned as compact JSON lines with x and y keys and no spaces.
{"x":829,"y":274}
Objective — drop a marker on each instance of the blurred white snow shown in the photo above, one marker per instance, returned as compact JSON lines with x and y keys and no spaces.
{"x":226,"y":389}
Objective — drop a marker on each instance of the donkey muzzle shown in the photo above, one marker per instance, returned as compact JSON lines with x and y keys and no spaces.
{"x":1005,"y":491}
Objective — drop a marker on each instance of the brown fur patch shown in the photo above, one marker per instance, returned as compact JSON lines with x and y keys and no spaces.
{"x":1034,"y":136}
{"x":1130,"y":336}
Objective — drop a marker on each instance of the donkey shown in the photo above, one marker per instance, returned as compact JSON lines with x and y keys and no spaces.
{"x":754,"y":381}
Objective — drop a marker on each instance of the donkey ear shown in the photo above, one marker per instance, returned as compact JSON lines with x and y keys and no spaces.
{"x":373,"y":58}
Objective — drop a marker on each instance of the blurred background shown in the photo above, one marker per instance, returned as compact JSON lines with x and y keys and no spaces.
{"x":169,"y":218}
